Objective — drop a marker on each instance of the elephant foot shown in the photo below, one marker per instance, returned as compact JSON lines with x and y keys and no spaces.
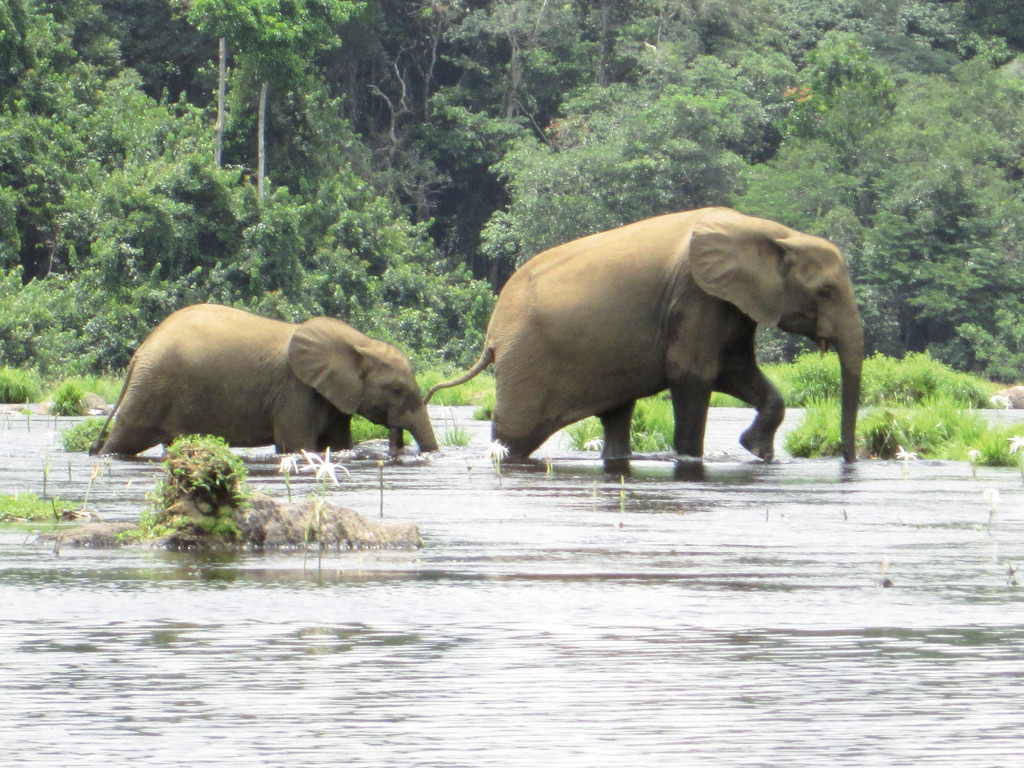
{"x":760,"y":445}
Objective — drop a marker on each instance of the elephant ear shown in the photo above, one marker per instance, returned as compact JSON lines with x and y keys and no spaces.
{"x":322,"y":354}
{"x":739,"y":259}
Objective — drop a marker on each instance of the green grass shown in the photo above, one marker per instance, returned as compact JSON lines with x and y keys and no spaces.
{"x":936,"y":428}
{"x":67,"y":399}
{"x":29,"y":507}
{"x":18,"y":385}
{"x":363,"y":430}
{"x":478,"y":391}
{"x":81,"y":436}
{"x":886,"y":381}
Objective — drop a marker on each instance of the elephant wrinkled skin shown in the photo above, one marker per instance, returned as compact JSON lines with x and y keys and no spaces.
{"x":253,"y":381}
{"x":671,"y":303}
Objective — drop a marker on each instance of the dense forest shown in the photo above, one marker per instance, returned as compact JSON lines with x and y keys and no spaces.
{"x":391,"y":162}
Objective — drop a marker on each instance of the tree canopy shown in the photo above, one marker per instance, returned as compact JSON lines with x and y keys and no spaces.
{"x":418,"y":151}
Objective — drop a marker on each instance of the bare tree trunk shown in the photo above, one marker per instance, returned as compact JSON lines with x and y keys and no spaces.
{"x":221,"y":91}
{"x":261,"y":130}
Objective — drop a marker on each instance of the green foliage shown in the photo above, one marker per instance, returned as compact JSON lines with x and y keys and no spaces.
{"x":29,"y":507}
{"x":67,"y":399}
{"x":414,"y":146}
{"x":817,"y":434}
{"x":204,"y":482}
{"x":19,"y":385}
{"x":935,"y":428}
{"x":477,"y":391}
{"x":81,"y":436}
{"x":885,"y":381}
{"x":363,"y":430}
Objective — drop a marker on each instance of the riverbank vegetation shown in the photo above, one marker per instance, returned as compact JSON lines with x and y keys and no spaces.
{"x":392,"y":162}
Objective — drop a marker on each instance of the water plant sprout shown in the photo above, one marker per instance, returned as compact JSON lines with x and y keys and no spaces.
{"x":497,"y":452}
{"x":906,"y":457}
{"x":1016,"y":446}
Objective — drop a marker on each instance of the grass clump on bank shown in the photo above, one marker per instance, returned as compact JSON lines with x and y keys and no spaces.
{"x":917,"y":377}
{"x":936,"y":428}
{"x":18,"y":385}
{"x":917,"y":403}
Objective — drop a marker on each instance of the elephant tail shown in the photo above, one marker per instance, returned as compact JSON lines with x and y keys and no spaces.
{"x":101,"y":438}
{"x":485,"y":359}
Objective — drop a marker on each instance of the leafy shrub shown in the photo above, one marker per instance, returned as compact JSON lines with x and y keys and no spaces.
{"x":81,"y":436}
{"x":19,"y":385}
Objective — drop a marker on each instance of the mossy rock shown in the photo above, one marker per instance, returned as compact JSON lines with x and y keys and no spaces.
{"x":264,"y":524}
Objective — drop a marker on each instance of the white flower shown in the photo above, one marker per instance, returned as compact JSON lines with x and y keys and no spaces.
{"x":288,"y":465}
{"x":323,"y":466}
{"x":1016,"y":443}
{"x":593,"y":445}
{"x":905,"y":455}
{"x":992,"y":497}
{"x":974,"y":454}
{"x":497,"y":451}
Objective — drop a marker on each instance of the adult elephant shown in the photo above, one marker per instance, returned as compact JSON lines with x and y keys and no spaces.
{"x":253,"y":381}
{"x":671,"y":303}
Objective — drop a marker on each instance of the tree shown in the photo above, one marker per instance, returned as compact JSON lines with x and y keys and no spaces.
{"x":273,"y":39}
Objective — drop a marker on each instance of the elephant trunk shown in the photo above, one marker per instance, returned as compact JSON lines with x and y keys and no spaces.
{"x":851,"y":359}
{"x":422,"y":431}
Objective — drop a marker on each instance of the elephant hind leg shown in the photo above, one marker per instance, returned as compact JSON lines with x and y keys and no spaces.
{"x":616,"y":423}
{"x":128,"y":440}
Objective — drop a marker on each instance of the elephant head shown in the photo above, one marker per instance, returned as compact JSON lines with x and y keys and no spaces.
{"x":785,"y":278}
{"x":360,"y":375}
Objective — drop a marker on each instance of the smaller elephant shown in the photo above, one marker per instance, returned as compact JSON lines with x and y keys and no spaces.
{"x":254,"y":381}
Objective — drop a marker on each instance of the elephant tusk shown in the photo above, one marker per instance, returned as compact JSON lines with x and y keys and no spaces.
{"x":823,"y":345}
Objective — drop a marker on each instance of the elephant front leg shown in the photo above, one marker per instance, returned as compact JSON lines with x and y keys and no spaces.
{"x":752,"y":386}
{"x":616,"y":423}
{"x":690,"y":399}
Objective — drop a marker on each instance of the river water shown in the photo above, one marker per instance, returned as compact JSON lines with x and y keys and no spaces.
{"x":556,"y":616}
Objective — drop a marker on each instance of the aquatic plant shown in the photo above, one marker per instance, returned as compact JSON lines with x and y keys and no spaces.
{"x":453,"y":433}
{"x":289,"y":464}
{"x":79,"y":437}
{"x":906,"y":457}
{"x":497,"y":452}
{"x":973,"y":455}
{"x":992,"y":499}
{"x":1017,"y":447}
{"x":27,"y":507}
